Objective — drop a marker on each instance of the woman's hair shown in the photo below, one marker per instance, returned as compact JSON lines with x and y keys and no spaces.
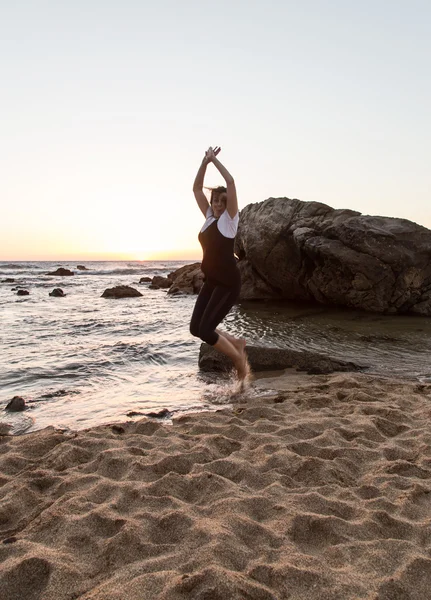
{"x":216,"y":191}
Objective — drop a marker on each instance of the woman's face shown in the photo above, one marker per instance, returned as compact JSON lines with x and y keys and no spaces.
{"x":219,"y":204}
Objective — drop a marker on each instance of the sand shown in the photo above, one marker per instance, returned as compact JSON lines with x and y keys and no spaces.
{"x":317,"y":490}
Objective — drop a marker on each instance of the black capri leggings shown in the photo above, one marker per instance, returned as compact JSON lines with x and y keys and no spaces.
{"x":213,"y":304}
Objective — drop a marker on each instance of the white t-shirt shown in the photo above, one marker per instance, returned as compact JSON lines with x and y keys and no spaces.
{"x":225,"y":224}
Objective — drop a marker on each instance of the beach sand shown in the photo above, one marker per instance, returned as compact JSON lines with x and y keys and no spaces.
{"x":320,"y":489}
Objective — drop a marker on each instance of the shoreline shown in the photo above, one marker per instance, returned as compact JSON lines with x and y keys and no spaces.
{"x":317,"y":489}
{"x":263,"y":383}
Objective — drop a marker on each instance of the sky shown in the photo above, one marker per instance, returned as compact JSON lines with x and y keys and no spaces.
{"x":107,"y":108}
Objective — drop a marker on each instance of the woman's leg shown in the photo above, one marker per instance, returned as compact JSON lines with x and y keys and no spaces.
{"x":220,"y":303}
{"x":239,"y":343}
{"x":237,"y":357}
{"x":201,"y":303}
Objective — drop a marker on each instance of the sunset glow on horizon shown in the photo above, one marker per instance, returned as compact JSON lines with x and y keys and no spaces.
{"x":109,"y":108}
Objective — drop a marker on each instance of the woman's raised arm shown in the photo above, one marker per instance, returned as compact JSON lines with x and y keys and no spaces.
{"x":232,"y":201}
{"x":198,"y":184}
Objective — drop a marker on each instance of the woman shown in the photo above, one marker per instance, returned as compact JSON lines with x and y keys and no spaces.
{"x":222,"y":281}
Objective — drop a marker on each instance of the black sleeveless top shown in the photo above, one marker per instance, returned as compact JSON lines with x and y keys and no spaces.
{"x":219,"y":262}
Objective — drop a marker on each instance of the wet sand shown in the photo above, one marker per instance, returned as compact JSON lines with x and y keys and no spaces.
{"x":319,"y":489}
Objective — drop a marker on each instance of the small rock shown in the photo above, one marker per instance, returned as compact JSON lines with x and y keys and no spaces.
{"x":17,"y":404}
{"x":57,"y":394}
{"x":145,"y":280}
{"x":8,"y":280}
{"x":121,"y":291}
{"x":81,"y":268}
{"x":159,"y":415}
{"x":118,"y":429}
{"x":5,"y":428}
{"x":23,"y":293}
{"x":60,"y":272}
{"x":57,"y":292}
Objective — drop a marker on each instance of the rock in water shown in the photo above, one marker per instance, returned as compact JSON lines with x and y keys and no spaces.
{"x":309,"y":251}
{"x":23,"y":293}
{"x":274,"y":359}
{"x":82,"y":268}
{"x":161,"y":414}
{"x":145,"y":280}
{"x":57,"y":293}
{"x":121,"y":291}
{"x":17,"y":404}
{"x":186,"y":280}
{"x":60,"y":272}
{"x":160,"y":282}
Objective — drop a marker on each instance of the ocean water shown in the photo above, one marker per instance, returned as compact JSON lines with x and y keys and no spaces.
{"x":83,"y":360}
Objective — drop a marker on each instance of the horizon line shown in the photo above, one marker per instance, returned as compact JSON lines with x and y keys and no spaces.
{"x":17,"y":260}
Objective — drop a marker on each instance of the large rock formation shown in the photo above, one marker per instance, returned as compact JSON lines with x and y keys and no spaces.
{"x":309,"y":251}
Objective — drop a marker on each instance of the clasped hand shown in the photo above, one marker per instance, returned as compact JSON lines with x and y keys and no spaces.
{"x":211,"y":153}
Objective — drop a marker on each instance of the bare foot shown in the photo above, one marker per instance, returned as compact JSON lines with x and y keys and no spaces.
{"x":243,"y":368}
{"x":244,"y":376}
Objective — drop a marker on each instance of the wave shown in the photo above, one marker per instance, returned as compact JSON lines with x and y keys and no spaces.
{"x":89,"y":325}
{"x":18,"y":266}
{"x":137,"y":271}
{"x":130,"y":271}
{"x":150,"y":268}
{"x":138,"y":352}
{"x":10,"y":272}
{"x":80,"y":368}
